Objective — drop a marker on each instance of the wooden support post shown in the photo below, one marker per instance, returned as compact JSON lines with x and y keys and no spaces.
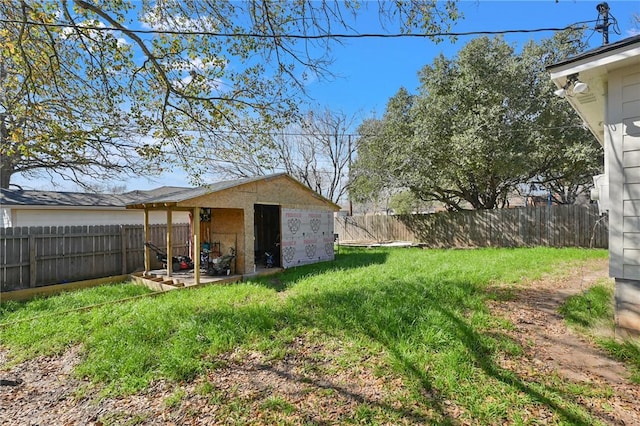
{"x":196,"y":245}
{"x":147,"y":256}
{"x":169,"y":243}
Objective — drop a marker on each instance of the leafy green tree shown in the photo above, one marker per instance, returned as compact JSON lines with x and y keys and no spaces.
{"x":472,"y":122}
{"x":405,"y":202}
{"x":567,"y":155}
{"x":483,"y":124}
{"x":103,"y":87}
{"x":58,"y":115}
{"x":384,"y":151}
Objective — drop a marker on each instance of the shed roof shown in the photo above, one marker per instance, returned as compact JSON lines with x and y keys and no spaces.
{"x":19,"y":197}
{"x":191,"y":193}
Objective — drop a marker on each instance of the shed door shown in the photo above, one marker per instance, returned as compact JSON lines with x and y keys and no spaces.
{"x":266,"y":233}
{"x":307,"y":237}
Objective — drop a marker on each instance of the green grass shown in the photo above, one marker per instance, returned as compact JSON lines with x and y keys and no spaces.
{"x":13,"y":310}
{"x":175,"y":398}
{"x":418,"y":315}
{"x":593,"y":310}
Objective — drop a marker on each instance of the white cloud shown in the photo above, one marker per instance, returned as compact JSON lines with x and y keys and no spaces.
{"x":157,"y":19}
{"x":69,"y":33}
{"x":188,"y":68}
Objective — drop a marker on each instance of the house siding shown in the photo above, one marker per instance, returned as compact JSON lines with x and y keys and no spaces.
{"x":623,"y":163}
{"x":629,"y":109}
{"x":6,"y":217}
{"x":23,"y":216}
{"x":623,"y":158}
{"x":613,"y":75}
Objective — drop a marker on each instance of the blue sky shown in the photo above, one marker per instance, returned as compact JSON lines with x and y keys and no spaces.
{"x":371,"y":70}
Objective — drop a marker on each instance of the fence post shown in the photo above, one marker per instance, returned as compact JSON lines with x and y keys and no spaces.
{"x":123,"y":247}
{"x":32,"y":260}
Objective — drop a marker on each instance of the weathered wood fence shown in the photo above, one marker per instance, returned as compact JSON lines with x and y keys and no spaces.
{"x":40,"y":256}
{"x":555,"y":226}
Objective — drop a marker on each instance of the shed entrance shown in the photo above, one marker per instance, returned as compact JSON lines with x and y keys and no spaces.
{"x":267,"y":233}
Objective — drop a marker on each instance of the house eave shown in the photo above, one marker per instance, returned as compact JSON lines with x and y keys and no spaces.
{"x":593,"y":67}
{"x":153,"y":206}
{"x":617,"y":55}
{"x":59,"y":207}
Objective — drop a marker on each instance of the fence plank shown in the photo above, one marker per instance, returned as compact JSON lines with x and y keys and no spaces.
{"x":38,"y":256}
{"x":555,"y":226}
{"x":44,"y":255}
{"x":32,"y":260}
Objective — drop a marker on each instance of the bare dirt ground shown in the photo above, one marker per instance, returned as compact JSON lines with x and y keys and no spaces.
{"x":552,"y":348}
{"x":305,"y":388}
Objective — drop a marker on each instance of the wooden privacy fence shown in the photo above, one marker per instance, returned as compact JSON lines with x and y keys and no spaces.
{"x":555,"y":226}
{"x":45,"y":255}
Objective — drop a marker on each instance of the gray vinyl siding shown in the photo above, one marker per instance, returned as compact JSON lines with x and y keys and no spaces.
{"x":624,"y":166}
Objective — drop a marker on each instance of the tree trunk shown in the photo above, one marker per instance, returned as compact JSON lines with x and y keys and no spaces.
{"x":6,"y":171}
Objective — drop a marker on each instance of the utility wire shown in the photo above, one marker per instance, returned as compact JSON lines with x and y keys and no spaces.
{"x":220,"y":160}
{"x":599,"y":24}
{"x":297,"y":36}
{"x":333,"y":136}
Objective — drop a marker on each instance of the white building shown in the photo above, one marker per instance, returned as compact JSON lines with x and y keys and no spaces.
{"x":603,"y":86}
{"x":50,"y":208}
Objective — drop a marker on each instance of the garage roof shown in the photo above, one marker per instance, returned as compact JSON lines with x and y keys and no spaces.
{"x":18,"y":197}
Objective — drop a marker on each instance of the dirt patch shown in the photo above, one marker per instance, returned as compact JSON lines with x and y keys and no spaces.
{"x":310,"y":384}
{"x":304,"y":387}
{"x":552,"y":348}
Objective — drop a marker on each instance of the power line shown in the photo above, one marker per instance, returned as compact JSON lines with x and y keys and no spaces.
{"x":222,"y":160}
{"x":574,"y":26}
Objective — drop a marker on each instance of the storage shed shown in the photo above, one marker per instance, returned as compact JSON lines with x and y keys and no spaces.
{"x":273,"y":214}
{"x":603,"y":86}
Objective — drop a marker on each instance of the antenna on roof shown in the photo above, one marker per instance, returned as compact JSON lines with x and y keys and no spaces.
{"x":603,"y":10}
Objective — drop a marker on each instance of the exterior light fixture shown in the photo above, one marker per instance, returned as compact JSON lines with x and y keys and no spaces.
{"x":561,"y":92}
{"x":572,"y":86}
{"x":580,"y":87}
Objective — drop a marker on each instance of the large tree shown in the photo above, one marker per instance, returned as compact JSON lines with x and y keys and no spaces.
{"x":484,"y":123}
{"x":384,"y":152}
{"x":567,"y":155}
{"x":110,"y":86}
{"x":472,"y":125}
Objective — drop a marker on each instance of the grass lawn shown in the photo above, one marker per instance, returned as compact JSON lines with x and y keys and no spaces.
{"x":417,"y":319}
{"x":11,"y":311}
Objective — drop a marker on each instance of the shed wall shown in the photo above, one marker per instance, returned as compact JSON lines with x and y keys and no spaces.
{"x":307,"y":237}
{"x":280,"y":191}
{"x":227,"y":228}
